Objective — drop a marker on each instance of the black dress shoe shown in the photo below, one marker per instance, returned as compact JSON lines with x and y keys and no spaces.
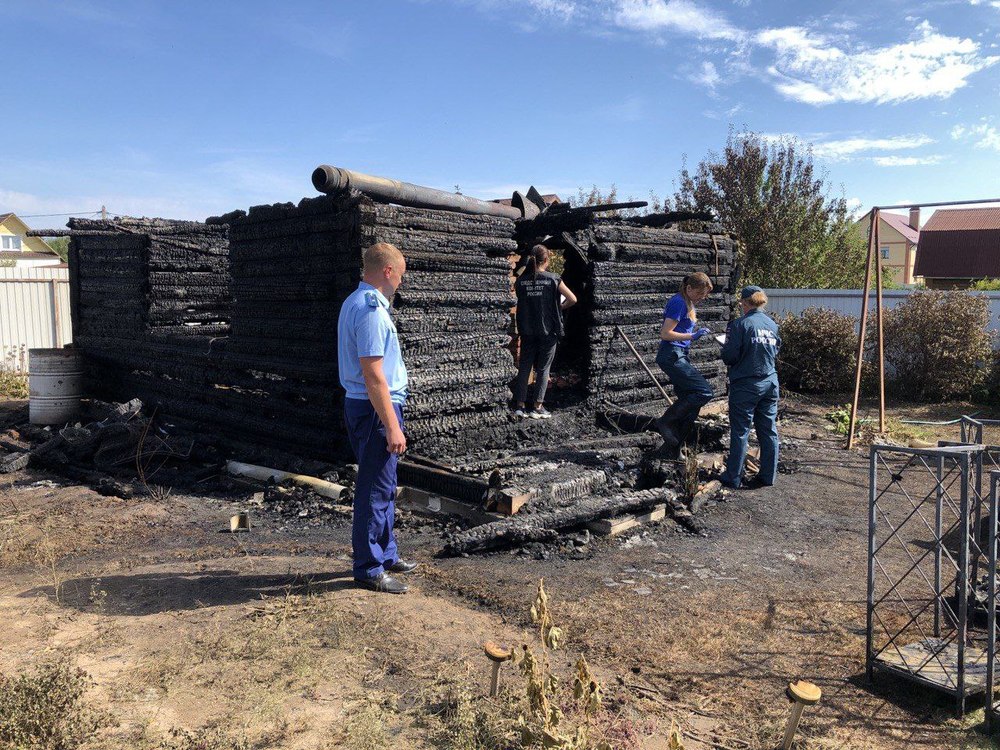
{"x":402,"y":566}
{"x":385,"y":583}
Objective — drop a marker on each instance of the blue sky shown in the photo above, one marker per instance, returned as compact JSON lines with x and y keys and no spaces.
{"x":185,"y":109}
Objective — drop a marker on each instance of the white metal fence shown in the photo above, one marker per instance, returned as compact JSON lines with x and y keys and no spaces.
{"x":848,"y":302}
{"x":34,"y":312}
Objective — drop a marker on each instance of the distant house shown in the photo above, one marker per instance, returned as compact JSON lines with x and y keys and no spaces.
{"x":24,"y":251}
{"x":960,"y":246}
{"x":898,"y":237}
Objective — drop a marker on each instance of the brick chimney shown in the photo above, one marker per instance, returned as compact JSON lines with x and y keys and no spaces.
{"x":915,"y":217}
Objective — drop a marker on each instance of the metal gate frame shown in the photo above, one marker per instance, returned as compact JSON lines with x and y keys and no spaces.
{"x":941,"y":658}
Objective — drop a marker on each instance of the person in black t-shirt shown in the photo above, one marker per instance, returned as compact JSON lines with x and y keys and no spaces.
{"x":541,"y":298}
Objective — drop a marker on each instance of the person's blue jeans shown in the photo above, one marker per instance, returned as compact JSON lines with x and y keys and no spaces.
{"x":752,"y":402}
{"x":690,"y":387}
{"x":372,"y":538}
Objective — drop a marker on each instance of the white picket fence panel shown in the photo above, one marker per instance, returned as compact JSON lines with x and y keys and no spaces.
{"x":34,"y":313}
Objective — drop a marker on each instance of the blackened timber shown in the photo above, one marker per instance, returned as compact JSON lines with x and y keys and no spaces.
{"x":543,"y":527}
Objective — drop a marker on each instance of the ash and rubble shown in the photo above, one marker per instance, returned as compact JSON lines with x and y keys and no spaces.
{"x":226,"y":332}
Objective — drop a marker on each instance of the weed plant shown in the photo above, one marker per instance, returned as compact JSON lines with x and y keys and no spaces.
{"x":45,"y":710}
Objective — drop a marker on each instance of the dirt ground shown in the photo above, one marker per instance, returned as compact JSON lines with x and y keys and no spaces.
{"x":261,"y":640}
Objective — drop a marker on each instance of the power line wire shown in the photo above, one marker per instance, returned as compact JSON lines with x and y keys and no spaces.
{"x":42,"y":216}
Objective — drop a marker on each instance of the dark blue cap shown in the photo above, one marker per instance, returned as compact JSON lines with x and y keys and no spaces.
{"x":749,"y":291}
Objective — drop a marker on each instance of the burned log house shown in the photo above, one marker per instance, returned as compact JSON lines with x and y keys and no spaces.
{"x":228,"y":328}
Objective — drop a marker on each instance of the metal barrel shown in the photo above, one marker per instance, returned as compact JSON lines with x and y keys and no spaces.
{"x":327,"y":179}
{"x":55,"y":385}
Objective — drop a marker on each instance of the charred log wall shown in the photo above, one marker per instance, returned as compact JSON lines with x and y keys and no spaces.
{"x":452,"y":314}
{"x":632,"y":270}
{"x":264,"y":290}
{"x":151,"y":277}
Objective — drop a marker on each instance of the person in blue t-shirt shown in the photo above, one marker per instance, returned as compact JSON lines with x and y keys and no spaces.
{"x":691,"y":389}
{"x":374,"y":376}
{"x":750,"y":351}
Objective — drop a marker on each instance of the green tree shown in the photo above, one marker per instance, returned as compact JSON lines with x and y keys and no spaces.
{"x":596,"y":196}
{"x":772,"y":197}
{"x":60,"y":245}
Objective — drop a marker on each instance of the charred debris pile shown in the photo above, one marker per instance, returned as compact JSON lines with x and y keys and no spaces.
{"x":227,"y":332}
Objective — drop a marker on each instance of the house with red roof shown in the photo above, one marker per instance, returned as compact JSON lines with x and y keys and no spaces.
{"x":960,"y":246}
{"x":898,"y":237}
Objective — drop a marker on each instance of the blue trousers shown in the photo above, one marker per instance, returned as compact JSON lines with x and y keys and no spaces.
{"x":690,"y":387}
{"x":752,"y":402}
{"x":372,"y":539}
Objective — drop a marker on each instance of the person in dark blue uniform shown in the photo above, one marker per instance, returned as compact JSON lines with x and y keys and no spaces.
{"x":750,"y":351}
{"x":374,"y":376}
{"x":677,"y":332}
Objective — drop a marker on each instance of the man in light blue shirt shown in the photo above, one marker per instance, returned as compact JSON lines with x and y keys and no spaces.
{"x":374,"y":376}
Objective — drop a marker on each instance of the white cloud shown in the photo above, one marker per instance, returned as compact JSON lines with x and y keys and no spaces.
{"x":982,"y":134}
{"x":845,"y":148}
{"x":906,"y":161}
{"x":707,"y":76}
{"x":563,"y":8}
{"x":816,"y":69}
{"x":812,"y":69}
{"x":682,"y":16}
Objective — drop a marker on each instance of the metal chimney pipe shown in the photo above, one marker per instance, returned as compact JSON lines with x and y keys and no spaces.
{"x":327,"y":179}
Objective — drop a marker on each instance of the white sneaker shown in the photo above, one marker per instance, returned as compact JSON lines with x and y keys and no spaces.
{"x":540,"y":413}
{"x":519,"y":413}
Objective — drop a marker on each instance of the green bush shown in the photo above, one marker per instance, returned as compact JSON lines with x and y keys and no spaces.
{"x":986,"y":285}
{"x":13,"y":382}
{"x":937,"y":345}
{"x":818,"y":350}
{"x":45,"y":710}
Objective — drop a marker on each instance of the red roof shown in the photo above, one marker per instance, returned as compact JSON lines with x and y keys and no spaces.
{"x":965,"y":218}
{"x":960,"y":244}
{"x":902,"y":225}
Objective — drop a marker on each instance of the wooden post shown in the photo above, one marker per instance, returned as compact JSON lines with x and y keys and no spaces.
{"x":861,"y":333}
{"x":56,"y":317}
{"x":628,"y":342}
{"x":878,"y":318}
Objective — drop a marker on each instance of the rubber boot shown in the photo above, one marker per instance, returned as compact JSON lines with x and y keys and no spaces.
{"x":666,"y":425}
{"x":686,"y":424}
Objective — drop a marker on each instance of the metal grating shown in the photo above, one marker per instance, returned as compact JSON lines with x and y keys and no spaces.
{"x":926,"y":550}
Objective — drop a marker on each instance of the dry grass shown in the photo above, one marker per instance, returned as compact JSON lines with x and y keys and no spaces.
{"x":731,"y":666}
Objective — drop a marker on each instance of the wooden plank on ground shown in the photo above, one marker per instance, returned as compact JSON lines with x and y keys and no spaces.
{"x":509,"y":504}
{"x":620,"y":524}
{"x":421,"y":501}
